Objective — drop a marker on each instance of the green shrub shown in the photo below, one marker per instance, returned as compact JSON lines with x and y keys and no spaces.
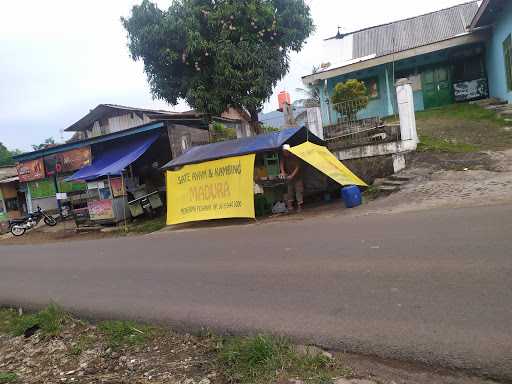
{"x":50,"y":321}
{"x":266,"y":359}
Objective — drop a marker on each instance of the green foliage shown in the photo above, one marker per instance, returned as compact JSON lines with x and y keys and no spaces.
{"x":434,"y":144}
{"x":269,"y":129}
{"x":7,"y":316}
{"x":311,"y":93}
{"x":6,"y":155}
{"x":352,"y":91}
{"x":216,"y":54}
{"x":8,"y":377}
{"x":122,"y":333}
{"x":220,"y":132}
{"x":148,"y":226}
{"x":50,"y":321}
{"x":266,"y":359}
{"x":463,"y":111}
{"x":47,"y":143}
{"x":372,"y":192}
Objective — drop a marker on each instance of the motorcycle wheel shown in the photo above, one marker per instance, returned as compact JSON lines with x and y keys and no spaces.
{"x":50,"y":221}
{"x":16,"y":230}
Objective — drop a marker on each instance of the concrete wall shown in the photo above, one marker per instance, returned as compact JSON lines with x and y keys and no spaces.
{"x":48,"y":204}
{"x":495,"y":58}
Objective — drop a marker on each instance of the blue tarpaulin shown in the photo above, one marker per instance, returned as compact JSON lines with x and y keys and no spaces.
{"x":243,"y":146}
{"x":113,"y":160}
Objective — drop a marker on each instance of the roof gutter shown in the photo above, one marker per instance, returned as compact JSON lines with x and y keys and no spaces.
{"x":83,"y":143}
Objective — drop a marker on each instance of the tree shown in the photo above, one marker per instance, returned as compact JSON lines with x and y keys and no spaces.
{"x":6,"y":155}
{"x":49,"y":142}
{"x":217,"y":53}
{"x":220,"y":132}
{"x":350,"y":97}
{"x":311,"y":93}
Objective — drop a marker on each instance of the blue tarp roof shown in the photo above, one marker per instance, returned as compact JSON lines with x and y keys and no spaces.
{"x":243,"y":146}
{"x":115,"y":159}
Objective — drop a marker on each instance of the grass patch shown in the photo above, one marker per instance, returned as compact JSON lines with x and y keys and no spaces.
{"x":50,"y":321}
{"x":372,"y":192}
{"x":8,"y":377}
{"x":125,"y":333}
{"x":463,"y":111}
{"x":462,"y":128}
{"x":265,"y":359}
{"x":145,"y":226}
{"x":7,"y":316}
{"x":434,"y":144}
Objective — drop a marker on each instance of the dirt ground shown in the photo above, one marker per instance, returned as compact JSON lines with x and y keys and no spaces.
{"x":451,"y":180}
{"x":82,"y":353}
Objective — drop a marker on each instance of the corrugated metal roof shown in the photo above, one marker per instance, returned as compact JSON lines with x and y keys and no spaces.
{"x":414,"y":32}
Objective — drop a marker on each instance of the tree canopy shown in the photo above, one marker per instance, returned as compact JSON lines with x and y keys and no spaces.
{"x":6,"y":155}
{"x":217,"y":53}
{"x":350,"y":97}
{"x":47,"y":143}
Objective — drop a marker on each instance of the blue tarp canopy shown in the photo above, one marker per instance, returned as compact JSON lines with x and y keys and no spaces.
{"x":262,"y":143}
{"x":115,"y":159}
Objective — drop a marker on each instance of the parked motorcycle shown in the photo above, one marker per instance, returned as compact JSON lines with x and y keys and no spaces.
{"x":18,"y":227}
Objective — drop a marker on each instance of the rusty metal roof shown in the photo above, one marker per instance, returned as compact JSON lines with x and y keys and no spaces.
{"x":414,"y":32}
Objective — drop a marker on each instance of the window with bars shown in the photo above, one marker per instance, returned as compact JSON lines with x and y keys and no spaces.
{"x":507,"y":53}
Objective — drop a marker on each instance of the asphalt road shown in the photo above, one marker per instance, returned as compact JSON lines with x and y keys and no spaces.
{"x":433,"y":286}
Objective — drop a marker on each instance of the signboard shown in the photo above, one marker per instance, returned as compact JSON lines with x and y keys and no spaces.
{"x":323,"y":160}
{"x":100,"y":210}
{"x":67,"y":161}
{"x":117,"y":185}
{"x":211,"y":190}
{"x":470,"y":90}
{"x":42,"y":189}
{"x":61,"y":196}
{"x":30,"y":170}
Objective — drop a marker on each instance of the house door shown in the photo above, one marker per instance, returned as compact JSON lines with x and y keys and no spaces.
{"x":437,"y":87}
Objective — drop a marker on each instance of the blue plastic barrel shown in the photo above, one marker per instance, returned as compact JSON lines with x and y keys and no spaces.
{"x":351,"y":196}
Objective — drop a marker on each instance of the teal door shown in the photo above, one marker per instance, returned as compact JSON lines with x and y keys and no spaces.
{"x":437,"y":87}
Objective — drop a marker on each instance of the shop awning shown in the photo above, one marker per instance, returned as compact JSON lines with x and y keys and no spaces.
{"x":114,"y":160}
{"x":243,"y":146}
{"x":323,"y":160}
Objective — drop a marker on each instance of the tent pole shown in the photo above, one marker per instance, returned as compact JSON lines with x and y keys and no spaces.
{"x":125,"y":198}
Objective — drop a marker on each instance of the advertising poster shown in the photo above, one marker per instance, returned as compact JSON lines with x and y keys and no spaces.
{"x":30,"y":170}
{"x":211,"y":190}
{"x":67,"y":161}
{"x":116,"y":183}
{"x":100,"y":210}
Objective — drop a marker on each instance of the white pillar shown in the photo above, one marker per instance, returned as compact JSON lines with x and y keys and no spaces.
{"x":405,"y":101}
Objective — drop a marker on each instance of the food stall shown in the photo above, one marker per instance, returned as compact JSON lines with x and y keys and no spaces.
{"x":228,"y":179}
{"x":114,"y":191}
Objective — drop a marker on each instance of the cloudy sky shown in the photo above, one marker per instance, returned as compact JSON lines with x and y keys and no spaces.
{"x":61,"y":58}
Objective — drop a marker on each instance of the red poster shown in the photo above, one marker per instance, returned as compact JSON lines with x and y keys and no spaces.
{"x":67,"y":161}
{"x":31,"y":170}
{"x":116,"y":183}
{"x":100,"y":210}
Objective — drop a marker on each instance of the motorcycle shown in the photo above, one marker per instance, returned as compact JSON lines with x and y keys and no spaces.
{"x":18,"y":227}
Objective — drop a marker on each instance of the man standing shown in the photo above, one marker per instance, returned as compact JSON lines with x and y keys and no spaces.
{"x":292,"y":172}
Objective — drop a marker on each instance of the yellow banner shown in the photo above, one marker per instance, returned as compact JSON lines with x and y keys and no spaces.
{"x":212,"y":190}
{"x":323,"y":160}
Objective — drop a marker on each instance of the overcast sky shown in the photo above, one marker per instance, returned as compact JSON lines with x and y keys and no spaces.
{"x":61,"y":58}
